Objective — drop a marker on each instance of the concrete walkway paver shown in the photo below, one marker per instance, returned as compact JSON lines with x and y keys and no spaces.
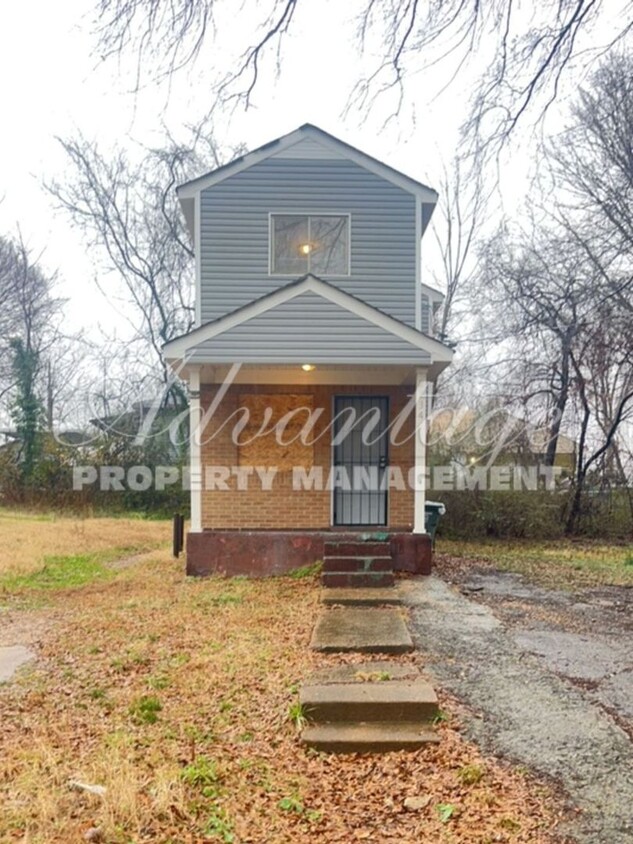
{"x":357,"y":596}
{"x":362,"y":631}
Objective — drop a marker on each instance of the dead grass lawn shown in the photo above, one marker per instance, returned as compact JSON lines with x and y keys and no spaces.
{"x":27,"y":539}
{"x":557,"y":563}
{"x":174,"y":695}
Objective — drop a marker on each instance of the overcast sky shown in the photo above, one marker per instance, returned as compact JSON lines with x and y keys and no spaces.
{"x":54,"y":84}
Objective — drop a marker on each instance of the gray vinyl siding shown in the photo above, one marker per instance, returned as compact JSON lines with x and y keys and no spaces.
{"x":234,"y":232}
{"x":425,"y":316}
{"x":308,"y":329}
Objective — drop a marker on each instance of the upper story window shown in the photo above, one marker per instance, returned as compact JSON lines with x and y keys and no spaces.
{"x":309,"y":243}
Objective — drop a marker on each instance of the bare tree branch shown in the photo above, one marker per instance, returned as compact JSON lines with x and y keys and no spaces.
{"x":129,"y":214}
{"x":530,"y":50}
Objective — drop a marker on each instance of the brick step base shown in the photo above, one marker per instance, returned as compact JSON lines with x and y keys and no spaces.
{"x":350,"y":548}
{"x":342,"y":564}
{"x":375,"y":737}
{"x":360,"y":579}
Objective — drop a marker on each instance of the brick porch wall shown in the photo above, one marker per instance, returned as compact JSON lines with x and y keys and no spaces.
{"x":284,"y":508}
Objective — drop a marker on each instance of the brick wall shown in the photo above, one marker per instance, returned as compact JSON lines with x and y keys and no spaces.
{"x":284,"y":507}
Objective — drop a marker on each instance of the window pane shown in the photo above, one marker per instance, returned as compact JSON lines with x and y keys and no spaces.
{"x":290,"y":233}
{"x":329,"y":237}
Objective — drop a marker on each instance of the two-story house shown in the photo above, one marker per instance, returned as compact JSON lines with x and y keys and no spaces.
{"x":312,"y":361}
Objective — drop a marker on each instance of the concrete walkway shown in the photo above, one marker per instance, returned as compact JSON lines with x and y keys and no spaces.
{"x":373,"y":707}
{"x":524,"y":711}
{"x":11,"y":658}
{"x":366,"y":630}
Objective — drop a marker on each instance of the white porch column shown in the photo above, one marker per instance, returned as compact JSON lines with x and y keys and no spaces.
{"x":421,"y":411}
{"x":195,"y":460}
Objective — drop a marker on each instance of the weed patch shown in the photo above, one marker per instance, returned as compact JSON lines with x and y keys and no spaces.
{"x":60,"y":573}
{"x":145,"y":710}
{"x":306,"y":571}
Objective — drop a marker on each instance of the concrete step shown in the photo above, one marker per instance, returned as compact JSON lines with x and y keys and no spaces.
{"x":358,"y":579}
{"x":355,"y":596}
{"x":387,"y":701}
{"x":371,"y":670}
{"x":361,"y":630}
{"x":349,"y":548}
{"x":375,"y":737}
{"x":341,"y":564}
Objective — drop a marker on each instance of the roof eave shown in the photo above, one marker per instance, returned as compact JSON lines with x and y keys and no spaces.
{"x":428,"y":196}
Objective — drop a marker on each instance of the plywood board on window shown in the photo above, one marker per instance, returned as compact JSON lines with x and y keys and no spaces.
{"x":283,"y":416}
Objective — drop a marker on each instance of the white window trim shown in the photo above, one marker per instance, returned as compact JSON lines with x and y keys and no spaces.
{"x":272,"y":214}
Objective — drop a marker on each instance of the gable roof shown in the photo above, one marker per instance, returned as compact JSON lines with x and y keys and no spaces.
{"x":308,"y":319}
{"x":425,"y":194}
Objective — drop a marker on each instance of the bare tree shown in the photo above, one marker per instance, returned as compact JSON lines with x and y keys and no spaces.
{"x":8,"y":308}
{"x":568,"y":354}
{"x":28,"y":310}
{"x":65,"y":375}
{"x":603,"y":378}
{"x":534,"y":296}
{"x":591,"y":165}
{"x":27,"y":303}
{"x":128,"y":212}
{"x":528,"y":51}
{"x":458,"y":226}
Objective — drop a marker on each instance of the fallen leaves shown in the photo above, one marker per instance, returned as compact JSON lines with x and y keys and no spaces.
{"x":173,"y":696}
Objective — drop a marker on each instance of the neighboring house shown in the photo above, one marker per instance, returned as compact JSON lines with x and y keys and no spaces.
{"x":12,"y":440}
{"x":310,"y":308}
{"x":156,"y":429}
{"x":463,"y":437}
{"x":566,"y":449}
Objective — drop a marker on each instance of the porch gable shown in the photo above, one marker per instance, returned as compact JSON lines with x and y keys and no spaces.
{"x":308,"y":321}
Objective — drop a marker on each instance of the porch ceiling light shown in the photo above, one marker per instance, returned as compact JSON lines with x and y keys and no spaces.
{"x":305,"y":248}
{"x":308,"y":367}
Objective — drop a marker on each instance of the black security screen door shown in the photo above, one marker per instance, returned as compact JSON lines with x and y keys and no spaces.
{"x":360,"y":457}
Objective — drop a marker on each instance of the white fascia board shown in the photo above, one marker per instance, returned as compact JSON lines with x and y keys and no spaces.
{"x":197,"y":254}
{"x":190,"y":189}
{"x":178,"y":348}
{"x":425,"y":195}
{"x":418,"y":266}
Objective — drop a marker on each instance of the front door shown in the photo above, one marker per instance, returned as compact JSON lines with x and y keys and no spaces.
{"x":360,"y":457}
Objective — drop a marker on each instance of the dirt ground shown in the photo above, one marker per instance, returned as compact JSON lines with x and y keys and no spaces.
{"x":547,"y":675}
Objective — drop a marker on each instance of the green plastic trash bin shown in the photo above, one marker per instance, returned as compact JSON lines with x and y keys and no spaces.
{"x":433,"y":510}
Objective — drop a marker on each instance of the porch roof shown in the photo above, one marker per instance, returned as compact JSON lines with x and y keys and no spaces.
{"x":307,"y":321}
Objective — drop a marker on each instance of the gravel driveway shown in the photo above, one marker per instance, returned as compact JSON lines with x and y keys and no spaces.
{"x":548,"y":679}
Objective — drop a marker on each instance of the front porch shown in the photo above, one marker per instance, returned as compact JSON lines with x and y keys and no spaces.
{"x":261,"y":553}
{"x":308,"y":416}
{"x":286,"y":458}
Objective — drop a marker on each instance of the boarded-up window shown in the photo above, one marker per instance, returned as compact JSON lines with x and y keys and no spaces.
{"x":284,"y":417}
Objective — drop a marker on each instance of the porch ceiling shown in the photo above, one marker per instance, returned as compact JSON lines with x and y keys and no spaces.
{"x":333,"y":374}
